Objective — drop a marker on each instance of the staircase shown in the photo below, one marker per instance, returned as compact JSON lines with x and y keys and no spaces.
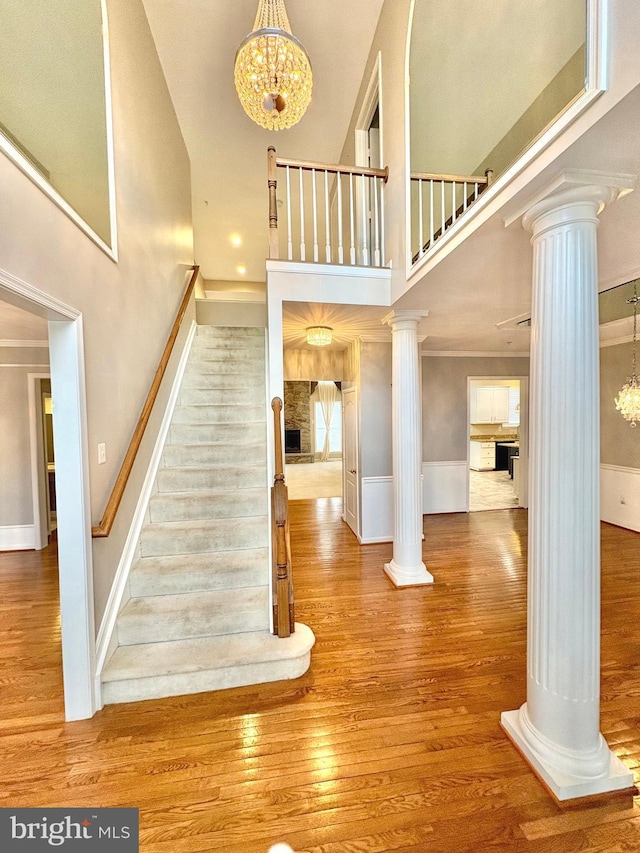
{"x":198,"y":614}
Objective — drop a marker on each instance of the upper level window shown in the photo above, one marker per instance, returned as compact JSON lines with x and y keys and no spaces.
{"x":53,"y":107}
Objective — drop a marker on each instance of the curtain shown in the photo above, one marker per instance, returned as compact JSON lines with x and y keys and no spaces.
{"x":328,"y":394}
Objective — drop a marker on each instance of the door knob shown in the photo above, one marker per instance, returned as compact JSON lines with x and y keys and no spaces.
{"x":352,"y":470}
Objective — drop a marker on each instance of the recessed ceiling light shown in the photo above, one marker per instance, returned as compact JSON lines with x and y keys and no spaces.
{"x":236,"y":240}
{"x":241,"y":269}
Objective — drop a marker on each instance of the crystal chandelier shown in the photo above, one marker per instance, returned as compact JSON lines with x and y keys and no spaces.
{"x":319,"y":336}
{"x":628,"y":399}
{"x":272,"y":71}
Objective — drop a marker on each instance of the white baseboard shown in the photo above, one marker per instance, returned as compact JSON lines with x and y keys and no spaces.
{"x":620,"y":496}
{"x":17,"y":537}
{"x":445,"y":487}
{"x":104,"y":642}
{"x":377,"y":510}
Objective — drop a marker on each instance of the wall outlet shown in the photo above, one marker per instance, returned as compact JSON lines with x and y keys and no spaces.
{"x":102,"y":454}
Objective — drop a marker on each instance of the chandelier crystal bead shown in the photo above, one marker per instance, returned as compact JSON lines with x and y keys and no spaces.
{"x":628,"y":399}
{"x":272,"y":70}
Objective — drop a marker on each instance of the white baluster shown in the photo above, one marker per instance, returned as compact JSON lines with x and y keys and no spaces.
{"x":420,"y":221}
{"x":315,"y":216}
{"x":453,"y":202}
{"x":382,"y":234}
{"x":352,"y":253}
{"x":431,"y":215}
{"x":340,"y":246}
{"x":376,"y":224}
{"x":475,"y":195}
{"x":327,"y":225}
{"x":289,"y":238}
{"x":464,"y":200}
{"x":365,"y":223}
{"x":303,"y":248}
{"x":442,"y":208}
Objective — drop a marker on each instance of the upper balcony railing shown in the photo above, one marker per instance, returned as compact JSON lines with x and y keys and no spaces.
{"x":334,"y":214}
{"x":438,"y":201}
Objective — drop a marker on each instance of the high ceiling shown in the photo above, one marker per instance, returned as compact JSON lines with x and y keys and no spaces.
{"x":484,"y":282}
{"x":196,"y":42}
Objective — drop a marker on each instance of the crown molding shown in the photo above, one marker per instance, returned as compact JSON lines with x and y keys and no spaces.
{"x":10,"y":343}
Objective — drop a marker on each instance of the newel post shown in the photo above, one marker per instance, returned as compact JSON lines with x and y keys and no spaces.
{"x":274,"y":249}
{"x":283,"y":603}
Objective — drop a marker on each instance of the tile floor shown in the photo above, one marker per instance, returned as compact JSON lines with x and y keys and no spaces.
{"x":491,"y":490}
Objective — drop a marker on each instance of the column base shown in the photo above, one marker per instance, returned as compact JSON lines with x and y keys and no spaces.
{"x":401,"y":576}
{"x":565,"y":786}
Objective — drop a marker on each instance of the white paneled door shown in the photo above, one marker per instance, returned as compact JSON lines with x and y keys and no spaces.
{"x":350,"y":456}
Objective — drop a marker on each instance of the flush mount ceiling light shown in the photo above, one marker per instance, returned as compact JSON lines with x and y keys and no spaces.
{"x":319,"y":336}
{"x":272,"y":71}
{"x":628,"y":399}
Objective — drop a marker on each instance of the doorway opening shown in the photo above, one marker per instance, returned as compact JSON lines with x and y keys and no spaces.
{"x":496,"y":459}
{"x":42,"y":459}
{"x":313,"y":439}
{"x":72,"y":509}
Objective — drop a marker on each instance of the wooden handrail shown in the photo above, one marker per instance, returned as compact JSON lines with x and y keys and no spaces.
{"x":458,"y":179}
{"x":360,"y":171}
{"x":283,"y":603}
{"x":104,"y":528}
{"x":478,"y":184}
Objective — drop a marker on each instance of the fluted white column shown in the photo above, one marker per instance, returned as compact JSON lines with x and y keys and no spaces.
{"x":558,"y":728}
{"x":406,"y":568}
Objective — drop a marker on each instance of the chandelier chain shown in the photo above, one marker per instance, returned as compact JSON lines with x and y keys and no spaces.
{"x":272,"y":13}
{"x":628,"y":398}
{"x":634,"y":300}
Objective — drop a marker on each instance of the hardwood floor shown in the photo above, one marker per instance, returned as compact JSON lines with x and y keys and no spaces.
{"x":391,"y":742}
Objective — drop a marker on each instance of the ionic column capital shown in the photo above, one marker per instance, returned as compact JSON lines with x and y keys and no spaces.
{"x":562,"y":197}
{"x":404,"y":318}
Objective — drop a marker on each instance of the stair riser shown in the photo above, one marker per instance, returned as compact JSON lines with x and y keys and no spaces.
{"x":240,"y":503}
{"x":220,"y":414}
{"x":232,"y":621}
{"x":222,"y":382}
{"x":229,"y":332}
{"x":222,"y":396}
{"x":226,"y":340}
{"x":239,"y":355}
{"x":212,"y":454}
{"x":139,"y":689}
{"x":183,"y":617}
{"x":222,"y":477}
{"x":159,"y":540}
{"x":209,"y":366}
{"x":191,"y":577}
{"x":216,"y":433}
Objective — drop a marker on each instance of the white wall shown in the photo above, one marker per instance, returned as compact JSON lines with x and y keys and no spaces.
{"x":520,"y":48}
{"x":619,"y":444}
{"x":375,"y":409}
{"x":390,"y":41}
{"x":16,"y":500}
{"x":128,"y":307}
{"x":15,"y":480}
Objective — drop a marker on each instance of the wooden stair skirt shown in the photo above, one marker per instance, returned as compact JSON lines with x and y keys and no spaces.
{"x":198,"y":614}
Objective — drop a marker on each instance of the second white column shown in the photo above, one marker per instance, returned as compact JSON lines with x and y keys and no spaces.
{"x":406,"y":568}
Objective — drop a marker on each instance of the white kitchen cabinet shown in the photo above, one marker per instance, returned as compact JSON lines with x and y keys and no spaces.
{"x":482,"y":455}
{"x":490,"y":404}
